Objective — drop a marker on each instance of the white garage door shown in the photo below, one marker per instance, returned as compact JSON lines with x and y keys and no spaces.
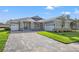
{"x":14,"y":27}
{"x":49,"y":28}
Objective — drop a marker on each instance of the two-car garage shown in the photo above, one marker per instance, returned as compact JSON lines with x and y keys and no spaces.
{"x":49,"y":26}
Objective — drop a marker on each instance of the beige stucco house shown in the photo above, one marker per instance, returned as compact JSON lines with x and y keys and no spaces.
{"x":3,"y":25}
{"x":75,"y":24}
{"x":38,"y":23}
{"x":55,"y":24}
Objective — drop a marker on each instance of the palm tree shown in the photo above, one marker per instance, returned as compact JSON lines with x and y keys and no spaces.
{"x":63,"y":18}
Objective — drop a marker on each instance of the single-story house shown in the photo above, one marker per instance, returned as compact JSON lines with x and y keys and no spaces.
{"x":28,"y":23}
{"x":3,"y":25}
{"x":38,"y":23}
{"x":55,"y":24}
{"x":75,"y":24}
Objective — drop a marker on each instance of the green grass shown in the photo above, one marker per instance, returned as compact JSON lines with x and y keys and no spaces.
{"x":3,"y":38}
{"x":65,"y":37}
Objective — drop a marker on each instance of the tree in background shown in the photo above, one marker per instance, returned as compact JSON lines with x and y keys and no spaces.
{"x":63,"y":18}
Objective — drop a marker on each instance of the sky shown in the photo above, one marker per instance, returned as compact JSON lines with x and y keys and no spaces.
{"x":15,"y":12}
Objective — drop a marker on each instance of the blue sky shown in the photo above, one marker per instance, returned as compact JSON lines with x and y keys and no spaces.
{"x":13,"y":12}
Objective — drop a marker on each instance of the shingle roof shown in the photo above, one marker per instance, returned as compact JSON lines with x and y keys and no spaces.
{"x":3,"y":25}
{"x":34,"y":18}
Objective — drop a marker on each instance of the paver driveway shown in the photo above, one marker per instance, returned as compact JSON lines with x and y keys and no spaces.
{"x":31,"y":41}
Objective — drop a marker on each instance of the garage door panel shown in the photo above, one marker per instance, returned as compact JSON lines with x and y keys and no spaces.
{"x":14,"y":27}
{"x":49,"y":28}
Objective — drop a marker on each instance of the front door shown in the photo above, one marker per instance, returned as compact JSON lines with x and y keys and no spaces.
{"x":26,"y":26}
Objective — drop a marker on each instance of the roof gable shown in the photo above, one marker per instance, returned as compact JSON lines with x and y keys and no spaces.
{"x":36,"y":18}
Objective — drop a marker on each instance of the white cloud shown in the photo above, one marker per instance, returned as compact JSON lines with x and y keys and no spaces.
{"x":6,"y":10}
{"x":76,"y":11}
{"x":49,"y":7}
{"x":66,"y":12}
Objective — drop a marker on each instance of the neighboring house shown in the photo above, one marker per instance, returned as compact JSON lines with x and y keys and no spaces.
{"x":38,"y":23}
{"x":56,"y":24}
{"x":3,"y":25}
{"x":75,"y":24}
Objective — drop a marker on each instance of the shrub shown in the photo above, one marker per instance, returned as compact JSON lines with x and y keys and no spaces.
{"x":7,"y":28}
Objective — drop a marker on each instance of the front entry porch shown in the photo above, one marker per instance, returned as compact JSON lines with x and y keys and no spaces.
{"x":27,"y":25}
{"x":31,"y":26}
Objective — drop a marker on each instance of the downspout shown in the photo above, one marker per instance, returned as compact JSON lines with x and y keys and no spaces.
{"x":54,"y":27}
{"x":19,"y":25}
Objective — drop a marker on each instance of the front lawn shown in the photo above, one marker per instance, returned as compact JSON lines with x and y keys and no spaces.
{"x":65,"y":37}
{"x":3,"y":38}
